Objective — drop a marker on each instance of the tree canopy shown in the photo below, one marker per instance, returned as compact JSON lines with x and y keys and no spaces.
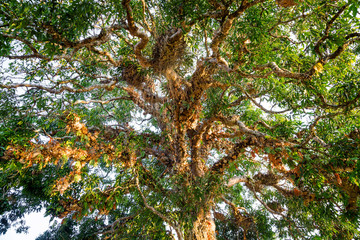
{"x":197,"y":119}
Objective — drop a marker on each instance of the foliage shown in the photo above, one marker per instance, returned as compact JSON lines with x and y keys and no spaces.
{"x":211,"y":119}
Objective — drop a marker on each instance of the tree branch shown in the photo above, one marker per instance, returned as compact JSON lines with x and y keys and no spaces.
{"x":327,"y":30}
{"x":225,"y":27}
{"x":107,"y":55}
{"x":131,"y":27}
{"x":235,"y":180}
{"x":63,"y":88}
{"x":102,"y":101}
{"x":172,"y":223}
{"x":282,"y":72}
{"x":274,"y":212}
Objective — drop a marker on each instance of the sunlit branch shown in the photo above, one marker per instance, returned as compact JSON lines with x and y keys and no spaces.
{"x":242,"y":127}
{"x":61,"y":89}
{"x":107,"y":55}
{"x":320,"y":141}
{"x":262,"y":107}
{"x":264,"y":124}
{"x":153,"y":29}
{"x":102,"y":101}
{"x":235,"y":180}
{"x":247,"y":75}
{"x":282,"y":72}
{"x":131,"y":27}
{"x":144,"y":6}
{"x":232,"y":205}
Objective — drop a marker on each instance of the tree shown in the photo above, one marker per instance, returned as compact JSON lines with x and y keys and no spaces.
{"x":198,"y":119}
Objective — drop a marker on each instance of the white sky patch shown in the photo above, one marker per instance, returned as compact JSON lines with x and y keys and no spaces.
{"x":38,"y":224}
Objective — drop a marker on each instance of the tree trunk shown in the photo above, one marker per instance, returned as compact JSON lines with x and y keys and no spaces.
{"x":203,"y":227}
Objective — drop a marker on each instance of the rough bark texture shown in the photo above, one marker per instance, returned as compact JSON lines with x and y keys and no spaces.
{"x":203,"y":227}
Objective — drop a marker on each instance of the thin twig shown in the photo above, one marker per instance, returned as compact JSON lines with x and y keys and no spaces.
{"x":169,"y":221}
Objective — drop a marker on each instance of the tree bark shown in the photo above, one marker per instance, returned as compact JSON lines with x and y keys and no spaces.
{"x":203,"y":227}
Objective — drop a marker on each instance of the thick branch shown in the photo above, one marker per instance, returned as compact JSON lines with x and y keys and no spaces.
{"x":235,"y":180}
{"x":341,"y":48}
{"x":224,"y":30}
{"x":327,"y":30}
{"x":221,"y":165}
{"x":137,"y":33}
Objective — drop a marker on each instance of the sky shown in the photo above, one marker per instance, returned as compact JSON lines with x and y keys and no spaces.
{"x":37,"y":223}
